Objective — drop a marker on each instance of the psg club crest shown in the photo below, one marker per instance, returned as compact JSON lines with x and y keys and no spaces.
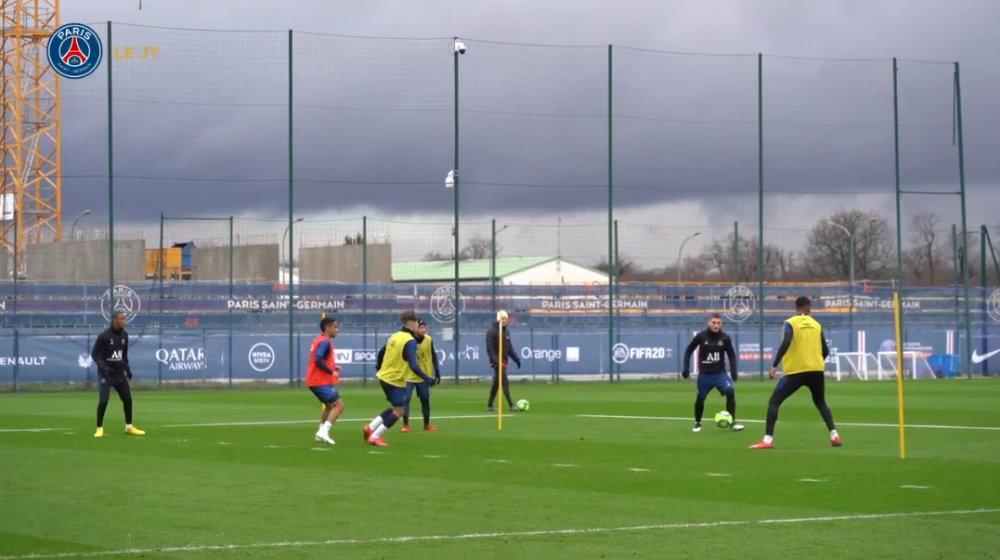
{"x":75,"y":51}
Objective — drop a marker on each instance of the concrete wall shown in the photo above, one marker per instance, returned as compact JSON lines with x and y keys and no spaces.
{"x":345,"y":263}
{"x":80,"y":262}
{"x":251,"y":263}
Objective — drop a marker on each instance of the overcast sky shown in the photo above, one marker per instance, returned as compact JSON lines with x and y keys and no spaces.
{"x":203,"y":129}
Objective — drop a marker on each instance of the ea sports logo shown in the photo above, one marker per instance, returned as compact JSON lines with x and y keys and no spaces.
{"x":125,"y":300}
{"x":445,"y":305}
{"x":261,"y":357}
{"x":619,"y":353}
{"x":75,"y":51}
{"x":739,"y":303}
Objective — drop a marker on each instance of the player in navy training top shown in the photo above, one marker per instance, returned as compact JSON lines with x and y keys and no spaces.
{"x":713,"y":346}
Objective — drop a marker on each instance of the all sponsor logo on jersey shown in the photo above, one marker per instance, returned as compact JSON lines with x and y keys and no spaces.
{"x":261,"y":357}
{"x":182,"y":359}
{"x":622,"y":353}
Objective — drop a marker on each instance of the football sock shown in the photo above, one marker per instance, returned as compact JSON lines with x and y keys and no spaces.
{"x":699,"y":409}
{"x":374,"y":425}
{"x":381,"y":430}
{"x":391,"y":420}
{"x":731,"y":405}
{"x":128,"y":426}
{"x":425,"y":407}
{"x":834,"y":435}
{"x":406,"y":419}
{"x":102,"y":407}
{"x":827,"y":416}
{"x":768,"y":439}
{"x":325,"y":427}
{"x":127,"y":404}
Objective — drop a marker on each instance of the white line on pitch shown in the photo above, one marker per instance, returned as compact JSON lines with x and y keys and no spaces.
{"x":639,"y":470}
{"x":281,"y":422}
{"x":479,"y":536}
{"x":852,"y":424}
{"x":17,"y":430}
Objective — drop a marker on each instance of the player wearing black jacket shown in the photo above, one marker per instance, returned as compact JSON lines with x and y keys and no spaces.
{"x":713,"y":346}
{"x":492,"y":352}
{"x":110,"y":353}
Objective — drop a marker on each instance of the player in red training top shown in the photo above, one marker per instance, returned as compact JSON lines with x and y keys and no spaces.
{"x":323,"y":375}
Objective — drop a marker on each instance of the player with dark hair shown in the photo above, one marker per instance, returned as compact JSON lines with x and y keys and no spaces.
{"x":427,"y":358}
{"x":323,"y":375}
{"x":493,"y":353}
{"x":803,"y":355}
{"x":110,"y":353}
{"x":713,"y":346}
{"x":397,"y":360}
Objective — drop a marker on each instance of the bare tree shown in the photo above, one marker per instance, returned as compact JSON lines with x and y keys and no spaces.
{"x":625,"y":269}
{"x":923,"y":259}
{"x":722,"y":256}
{"x":437,"y":256}
{"x":477,"y":248}
{"x":827,"y":253}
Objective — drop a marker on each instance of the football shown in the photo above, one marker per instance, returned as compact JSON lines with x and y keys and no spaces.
{"x":723,"y":419}
{"x":523,"y":405}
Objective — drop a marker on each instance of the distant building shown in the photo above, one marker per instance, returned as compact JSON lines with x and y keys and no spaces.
{"x":520,"y":271}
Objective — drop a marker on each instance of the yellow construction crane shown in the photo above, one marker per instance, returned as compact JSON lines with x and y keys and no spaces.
{"x":32,"y":136}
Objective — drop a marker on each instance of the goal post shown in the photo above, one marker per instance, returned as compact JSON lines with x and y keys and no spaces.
{"x":915,"y":365}
{"x":855,"y":365}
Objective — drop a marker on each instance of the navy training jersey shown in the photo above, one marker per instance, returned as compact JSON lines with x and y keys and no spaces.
{"x":713,"y":348}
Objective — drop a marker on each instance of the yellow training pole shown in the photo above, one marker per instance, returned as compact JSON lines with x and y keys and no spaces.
{"x":899,"y":373}
{"x":500,"y":357}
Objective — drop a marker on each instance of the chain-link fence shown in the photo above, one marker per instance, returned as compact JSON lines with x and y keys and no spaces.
{"x":228,"y":189}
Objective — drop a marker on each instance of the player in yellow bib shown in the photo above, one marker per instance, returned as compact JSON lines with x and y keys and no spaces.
{"x":427,"y":358}
{"x":397,"y":363}
{"x":802,"y":355}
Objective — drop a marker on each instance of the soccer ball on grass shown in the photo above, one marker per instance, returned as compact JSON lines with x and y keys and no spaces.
{"x":723,"y":419}
{"x":523,"y":405}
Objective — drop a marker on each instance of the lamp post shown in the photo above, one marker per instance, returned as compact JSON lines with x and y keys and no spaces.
{"x":72,"y":231}
{"x":681,"y":250}
{"x":283,"y":237}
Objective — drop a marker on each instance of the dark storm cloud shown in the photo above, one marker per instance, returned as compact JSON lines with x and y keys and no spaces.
{"x":205,"y":127}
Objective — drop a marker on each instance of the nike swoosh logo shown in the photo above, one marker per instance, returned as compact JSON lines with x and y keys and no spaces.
{"x":977,"y":359}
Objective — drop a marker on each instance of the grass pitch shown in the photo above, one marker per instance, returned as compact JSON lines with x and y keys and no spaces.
{"x":236,"y":474}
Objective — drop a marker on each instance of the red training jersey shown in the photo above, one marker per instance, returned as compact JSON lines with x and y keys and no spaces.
{"x":315,"y":376}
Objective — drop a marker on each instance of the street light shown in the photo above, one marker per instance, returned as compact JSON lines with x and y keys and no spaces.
{"x":681,"y":250}
{"x":283,"y":236}
{"x":72,"y":230}
{"x":850,"y":241}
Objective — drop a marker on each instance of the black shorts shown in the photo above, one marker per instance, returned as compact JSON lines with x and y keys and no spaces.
{"x":789,"y":384}
{"x":118,"y":383}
